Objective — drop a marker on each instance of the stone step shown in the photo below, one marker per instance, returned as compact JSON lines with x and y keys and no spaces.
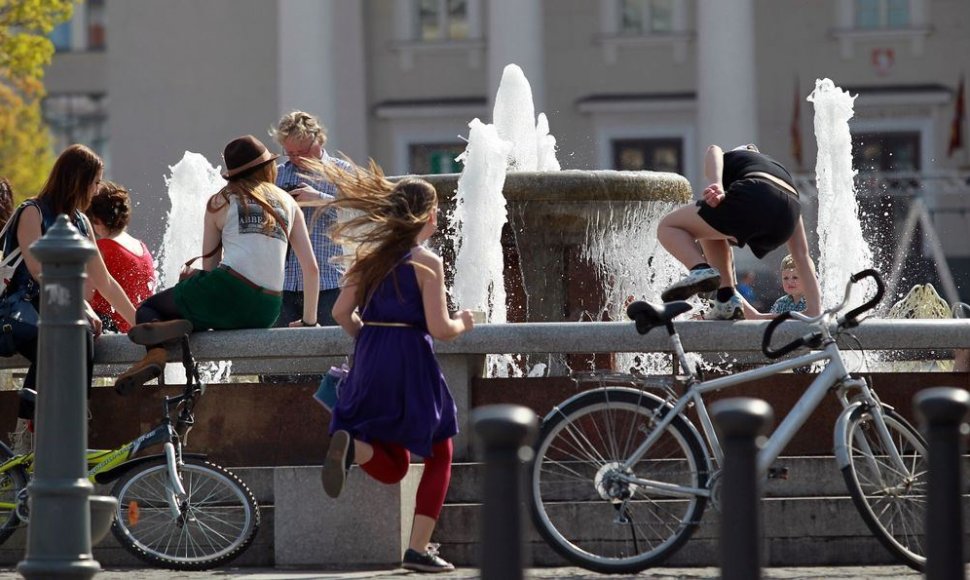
{"x":807,"y":520}
{"x":808,"y":477}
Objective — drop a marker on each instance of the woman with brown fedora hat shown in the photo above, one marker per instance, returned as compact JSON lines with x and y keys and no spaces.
{"x":248,"y":225}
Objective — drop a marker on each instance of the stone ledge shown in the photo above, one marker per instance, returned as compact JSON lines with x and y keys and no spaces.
{"x":369,"y":524}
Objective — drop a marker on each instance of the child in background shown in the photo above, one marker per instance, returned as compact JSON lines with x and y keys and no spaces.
{"x":794,"y":298}
{"x":127,"y":258}
{"x":394,"y":401}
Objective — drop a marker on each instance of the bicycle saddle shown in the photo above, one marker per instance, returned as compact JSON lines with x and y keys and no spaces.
{"x":649,"y":316}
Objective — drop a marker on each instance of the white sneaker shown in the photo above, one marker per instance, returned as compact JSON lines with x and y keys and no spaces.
{"x":703,"y":280}
{"x":730,"y":309}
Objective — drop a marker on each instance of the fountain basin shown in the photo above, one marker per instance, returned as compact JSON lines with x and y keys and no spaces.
{"x":103,"y":510}
{"x":552,"y":215}
{"x":579,"y":185}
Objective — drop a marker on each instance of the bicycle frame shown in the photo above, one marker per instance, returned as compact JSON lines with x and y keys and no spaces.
{"x":833,"y":375}
{"x":107,"y":465}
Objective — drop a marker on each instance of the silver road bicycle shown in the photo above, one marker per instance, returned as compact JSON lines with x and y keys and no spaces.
{"x":622,"y":474}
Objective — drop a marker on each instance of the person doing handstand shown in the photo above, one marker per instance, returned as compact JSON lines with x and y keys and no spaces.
{"x":751,"y":200}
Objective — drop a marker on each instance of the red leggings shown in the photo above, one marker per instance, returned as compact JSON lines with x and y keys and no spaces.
{"x":390,"y":464}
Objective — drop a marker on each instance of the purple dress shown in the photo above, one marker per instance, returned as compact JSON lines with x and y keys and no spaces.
{"x":396,"y":392}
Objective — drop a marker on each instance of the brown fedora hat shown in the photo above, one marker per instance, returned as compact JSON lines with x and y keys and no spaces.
{"x":245,"y":153}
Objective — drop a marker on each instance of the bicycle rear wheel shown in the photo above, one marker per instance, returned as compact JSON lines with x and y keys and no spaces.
{"x":583,"y":508}
{"x":891,"y":500}
{"x":12,"y":484}
{"x":215,"y":524}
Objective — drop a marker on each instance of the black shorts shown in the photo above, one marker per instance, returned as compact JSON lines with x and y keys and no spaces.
{"x":755,"y":212}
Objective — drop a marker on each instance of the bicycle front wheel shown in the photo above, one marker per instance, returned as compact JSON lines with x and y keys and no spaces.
{"x":890,"y":497}
{"x":13,"y":482}
{"x":214,"y":524}
{"x":583,"y":502}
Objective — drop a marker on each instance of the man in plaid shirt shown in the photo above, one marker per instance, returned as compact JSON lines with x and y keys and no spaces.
{"x":302,"y":137}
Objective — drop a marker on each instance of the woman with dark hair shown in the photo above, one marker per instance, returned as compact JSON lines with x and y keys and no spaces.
{"x":126,"y":257}
{"x":68,"y":190}
{"x":248,"y":225}
{"x":6,"y":201}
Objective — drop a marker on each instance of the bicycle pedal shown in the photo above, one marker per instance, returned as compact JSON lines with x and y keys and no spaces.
{"x":778,"y":473}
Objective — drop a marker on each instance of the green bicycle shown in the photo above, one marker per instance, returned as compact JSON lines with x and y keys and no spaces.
{"x":175,"y":510}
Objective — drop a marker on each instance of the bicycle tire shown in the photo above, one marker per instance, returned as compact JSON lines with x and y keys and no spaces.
{"x":218,"y":524}
{"x":12,"y":483}
{"x":896,"y":519}
{"x":580,"y":445}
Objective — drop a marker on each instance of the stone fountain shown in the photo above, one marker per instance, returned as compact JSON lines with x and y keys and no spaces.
{"x":552,"y":217}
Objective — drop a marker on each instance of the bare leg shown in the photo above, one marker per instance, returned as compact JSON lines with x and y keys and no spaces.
{"x":421,"y":531}
{"x":679,"y":231}
{"x":720,"y":256}
{"x":363,"y":452}
{"x":679,"y":239}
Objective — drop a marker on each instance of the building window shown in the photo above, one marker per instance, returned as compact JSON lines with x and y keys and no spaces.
{"x":434,"y":158}
{"x":61,"y":37}
{"x":442,"y":20}
{"x":886,"y":152}
{"x":640,"y":24}
{"x":78,"y":118}
{"x":648,"y":155}
{"x":85,"y":31}
{"x":438,"y":26}
{"x":872,"y":14}
{"x":647,"y":16}
{"x":870,"y":21}
{"x":96,"y":25}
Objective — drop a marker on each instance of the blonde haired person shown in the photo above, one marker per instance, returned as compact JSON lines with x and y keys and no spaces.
{"x":394,"y":401}
{"x":793,"y":300}
{"x":248,"y":225}
{"x":303,"y":138}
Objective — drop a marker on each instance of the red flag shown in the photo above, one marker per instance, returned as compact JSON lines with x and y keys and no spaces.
{"x":956,"y":126}
{"x":796,"y":128}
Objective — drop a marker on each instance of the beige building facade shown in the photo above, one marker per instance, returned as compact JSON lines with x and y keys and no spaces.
{"x":626,"y":84}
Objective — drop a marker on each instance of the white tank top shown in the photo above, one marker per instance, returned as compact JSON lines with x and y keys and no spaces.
{"x":249,"y":249}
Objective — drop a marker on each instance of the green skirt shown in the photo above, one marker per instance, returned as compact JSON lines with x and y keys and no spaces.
{"x":216,"y":300}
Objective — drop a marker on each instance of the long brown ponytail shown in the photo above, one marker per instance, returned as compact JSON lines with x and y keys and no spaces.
{"x":386,"y":218}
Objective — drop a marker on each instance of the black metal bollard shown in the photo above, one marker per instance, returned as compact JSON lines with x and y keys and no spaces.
{"x":942,"y":412}
{"x":507,"y":432}
{"x":59,"y":534}
{"x":740,"y":421}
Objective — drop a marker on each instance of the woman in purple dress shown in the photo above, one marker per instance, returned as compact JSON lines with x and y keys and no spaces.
{"x":395,"y":401}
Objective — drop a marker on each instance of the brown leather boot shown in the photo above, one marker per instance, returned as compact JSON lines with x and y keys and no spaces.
{"x":142,"y":371}
{"x":157,"y":333}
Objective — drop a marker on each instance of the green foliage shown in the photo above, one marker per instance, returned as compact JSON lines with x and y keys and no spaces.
{"x":25,"y":155}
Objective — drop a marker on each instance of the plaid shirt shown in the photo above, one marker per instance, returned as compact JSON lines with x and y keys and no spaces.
{"x":288,"y":175}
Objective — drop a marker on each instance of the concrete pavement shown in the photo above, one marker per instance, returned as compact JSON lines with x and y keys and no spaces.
{"x":821,"y":572}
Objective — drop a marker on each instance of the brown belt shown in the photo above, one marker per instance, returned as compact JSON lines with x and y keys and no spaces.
{"x":248,"y":282}
{"x":780,"y":183}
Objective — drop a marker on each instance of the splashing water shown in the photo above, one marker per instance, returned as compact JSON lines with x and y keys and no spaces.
{"x":479,"y":217}
{"x":190,"y":185}
{"x":621,"y":242}
{"x":842,"y":249}
{"x":192,"y":181}
{"x":515,"y":141}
